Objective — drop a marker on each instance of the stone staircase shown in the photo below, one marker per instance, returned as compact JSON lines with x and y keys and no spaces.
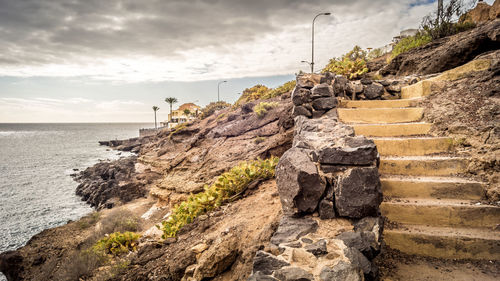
{"x":432,"y":212}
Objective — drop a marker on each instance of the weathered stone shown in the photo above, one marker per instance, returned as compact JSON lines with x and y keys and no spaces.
{"x":299,"y":183}
{"x":318,"y":248}
{"x":267,"y":263}
{"x":358,"y":259}
{"x":308,"y":80}
{"x":291,"y":229}
{"x":293,"y":274}
{"x":332,"y":169}
{"x":373,"y":91}
{"x":301,"y":96}
{"x":295,"y":244}
{"x":306,"y":240}
{"x":384,"y":83}
{"x":372,"y":224}
{"x":341,"y":271}
{"x":259,"y":276}
{"x":301,"y":111}
{"x":366,"y":81}
{"x":318,"y":113}
{"x":326,"y":209}
{"x":355,"y":87}
{"x":324,"y":103}
{"x":358,"y":193}
{"x":363,"y":241}
{"x":355,"y":151}
{"x":340,"y":86}
{"x":321,"y":91}
{"x":327,"y":78}
{"x":394,"y":87}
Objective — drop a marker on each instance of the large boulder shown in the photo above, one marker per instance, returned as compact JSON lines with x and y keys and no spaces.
{"x":291,"y":229}
{"x":267,"y":263}
{"x":321,"y":91}
{"x":358,"y":193}
{"x":324,"y":103}
{"x":301,"y":96}
{"x":308,"y":80}
{"x":299,"y":184}
{"x":349,"y":151}
{"x":341,"y":271}
{"x":373,"y":91}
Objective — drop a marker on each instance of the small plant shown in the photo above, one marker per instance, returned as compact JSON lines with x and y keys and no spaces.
{"x":258,"y":140}
{"x":225,"y":187}
{"x":375,"y":53}
{"x":442,"y":23}
{"x":117,"y":243}
{"x":352,"y":65}
{"x":258,"y":92}
{"x":177,"y":129}
{"x":212,"y":107}
{"x":411,"y":42}
{"x":89,"y":220}
{"x":262,"y":108}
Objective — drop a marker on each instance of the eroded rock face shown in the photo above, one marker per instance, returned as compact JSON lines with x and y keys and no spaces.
{"x":291,"y":229}
{"x":358,"y":193}
{"x":299,"y":183}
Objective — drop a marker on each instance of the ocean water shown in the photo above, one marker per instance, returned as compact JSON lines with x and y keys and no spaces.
{"x":36,"y":160}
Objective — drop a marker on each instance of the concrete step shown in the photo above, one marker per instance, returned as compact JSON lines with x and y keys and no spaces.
{"x":379,"y":103}
{"x":417,"y":90}
{"x":392,"y":130}
{"x":423,"y":166}
{"x":444,"y":242}
{"x":449,"y":213}
{"x":413,"y":146}
{"x":432,"y":188}
{"x":380,"y":115}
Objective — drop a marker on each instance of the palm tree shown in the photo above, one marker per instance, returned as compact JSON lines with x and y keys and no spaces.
{"x":171,"y":101}
{"x":155,"y":108}
{"x":187,"y":112}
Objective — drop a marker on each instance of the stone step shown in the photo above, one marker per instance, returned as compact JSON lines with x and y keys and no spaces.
{"x":379,"y":103}
{"x":380,"y":115}
{"x":431,"y":187}
{"x":444,"y":242}
{"x":417,"y":90}
{"x":392,"y":130}
{"x":413,"y":146}
{"x":449,"y":213}
{"x":423,"y":166}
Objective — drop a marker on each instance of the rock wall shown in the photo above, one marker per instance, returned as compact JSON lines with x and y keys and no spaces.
{"x":330,"y":192}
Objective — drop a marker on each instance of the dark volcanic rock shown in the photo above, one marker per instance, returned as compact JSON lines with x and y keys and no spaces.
{"x":267,"y":263}
{"x":446,"y":53}
{"x":11,"y":265}
{"x":356,"y":151}
{"x":358,"y":193}
{"x":290,"y":229}
{"x":318,"y":248}
{"x":301,"y":96}
{"x":341,"y":271}
{"x":102,"y":184}
{"x":293,"y":274}
{"x":373,"y":91}
{"x":301,"y":111}
{"x":259,"y":276}
{"x":326,"y":209}
{"x":299,"y":183}
{"x":324,"y":103}
{"x":322,"y":91}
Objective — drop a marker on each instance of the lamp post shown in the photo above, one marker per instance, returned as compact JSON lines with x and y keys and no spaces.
{"x":312,"y":49}
{"x":218,"y":89}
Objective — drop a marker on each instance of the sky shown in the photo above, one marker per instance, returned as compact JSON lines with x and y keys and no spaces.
{"x":111,"y":61}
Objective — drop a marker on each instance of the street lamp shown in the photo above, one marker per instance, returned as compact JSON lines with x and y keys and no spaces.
{"x":312,"y":49}
{"x":218,"y":89}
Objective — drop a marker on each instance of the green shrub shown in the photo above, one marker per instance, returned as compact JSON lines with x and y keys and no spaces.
{"x":119,"y":220}
{"x":89,"y":220}
{"x":442,"y":23}
{"x":258,"y":140}
{"x":258,"y":92}
{"x":375,"y":53}
{"x":352,"y":65}
{"x":262,"y":108}
{"x":225,"y":187}
{"x":411,"y":42}
{"x":177,"y":129}
{"x":213,"y":107}
{"x":117,"y":243}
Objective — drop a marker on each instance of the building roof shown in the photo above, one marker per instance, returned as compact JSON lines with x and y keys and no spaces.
{"x":189,"y":105}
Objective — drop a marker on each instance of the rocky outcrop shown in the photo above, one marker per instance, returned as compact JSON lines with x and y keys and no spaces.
{"x":446,"y":53}
{"x":329,"y":175}
{"x":108,"y":183}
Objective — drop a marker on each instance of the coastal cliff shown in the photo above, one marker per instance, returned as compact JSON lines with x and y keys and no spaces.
{"x":320,"y":217}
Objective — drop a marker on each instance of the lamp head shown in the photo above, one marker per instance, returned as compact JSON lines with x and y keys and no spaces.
{"x":327,"y":14}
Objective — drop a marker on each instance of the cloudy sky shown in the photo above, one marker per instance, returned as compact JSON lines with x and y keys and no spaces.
{"x":110,"y":61}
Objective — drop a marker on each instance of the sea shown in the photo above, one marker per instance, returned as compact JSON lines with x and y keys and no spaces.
{"x":36,"y":161}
